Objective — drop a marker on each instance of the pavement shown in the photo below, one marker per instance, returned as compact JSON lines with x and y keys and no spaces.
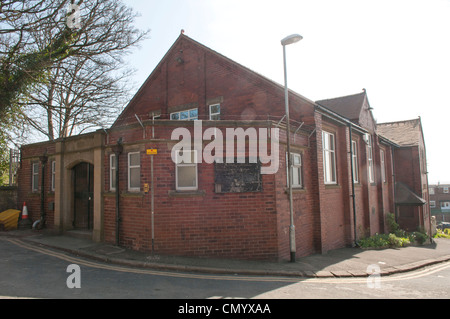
{"x":344,"y":262}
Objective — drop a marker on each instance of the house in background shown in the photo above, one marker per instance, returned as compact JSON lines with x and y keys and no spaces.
{"x":440,"y":201}
{"x":122,"y":185}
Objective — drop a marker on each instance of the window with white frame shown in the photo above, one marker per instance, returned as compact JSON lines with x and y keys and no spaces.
{"x":355,"y":161}
{"x":112,"y":172}
{"x":370,"y":159}
{"x":35,"y":177}
{"x":53,"y":184}
{"x":187,"y":115}
{"x":445,"y":204}
{"x":134,"y":171}
{"x":432,"y":204}
{"x":445,"y":190}
{"x":383,"y":166}
{"x":214,"y":112}
{"x":296,"y":177}
{"x":329,"y":157}
{"x":186,"y":170}
{"x":431,"y":190}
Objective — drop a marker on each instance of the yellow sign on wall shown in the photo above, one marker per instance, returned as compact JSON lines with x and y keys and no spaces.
{"x":152,"y":151}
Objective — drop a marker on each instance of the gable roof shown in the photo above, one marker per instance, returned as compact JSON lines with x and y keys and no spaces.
{"x":403,"y":133}
{"x":349,"y":106}
{"x":183,"y":37}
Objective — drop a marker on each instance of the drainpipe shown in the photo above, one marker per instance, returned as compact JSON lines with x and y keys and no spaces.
{"x":353,"y":182}
{"x":43,"y":159}
{"x":117,"y":149}
{"x":393,"y":183}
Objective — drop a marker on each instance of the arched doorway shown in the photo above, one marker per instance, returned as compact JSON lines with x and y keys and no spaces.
{"x":83,"y":210}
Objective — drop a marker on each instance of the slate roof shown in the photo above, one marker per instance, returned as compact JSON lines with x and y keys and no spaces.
{"x":403,"y":133}
{"x":348,"y":106}
{"x":405,"y":196}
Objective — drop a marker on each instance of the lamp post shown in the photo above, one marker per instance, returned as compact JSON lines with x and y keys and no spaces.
{"x":286,"y":41}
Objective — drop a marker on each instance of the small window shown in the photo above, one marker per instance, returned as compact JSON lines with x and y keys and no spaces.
{"x":431,"y":190}
{"x":296,"y":178}
{"x":187,"y":115}
{"x":134,"y":171}
{"x":112,"y":172}
{"x":383,"y":166}
{"x":432,"y":204}
{"x":53,"y":175}
{"x":329,"y":158}
{"x":355,"y":161}
{"x":35,"y":177}
{"x":445,"y":190}
{"x":214,"y":112}
{"x":186,"y":170}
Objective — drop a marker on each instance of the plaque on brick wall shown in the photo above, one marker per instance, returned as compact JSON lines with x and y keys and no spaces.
{"x":237,"y":177}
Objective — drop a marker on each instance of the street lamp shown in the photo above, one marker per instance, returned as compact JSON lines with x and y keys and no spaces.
{"x":286,"y":41}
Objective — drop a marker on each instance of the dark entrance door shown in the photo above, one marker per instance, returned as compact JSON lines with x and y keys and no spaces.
{"x":83,"y":196}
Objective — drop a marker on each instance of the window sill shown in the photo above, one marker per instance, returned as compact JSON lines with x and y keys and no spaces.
{"x":124,"y":194}
{"x":295,"y":190}
{"x":173,"y":193}
{"x":332,"y":186}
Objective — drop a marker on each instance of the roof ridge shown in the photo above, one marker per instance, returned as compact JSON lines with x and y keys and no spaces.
{"x":340,"y":97}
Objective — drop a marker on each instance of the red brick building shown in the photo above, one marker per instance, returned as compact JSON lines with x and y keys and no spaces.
{"x":124,"y":186}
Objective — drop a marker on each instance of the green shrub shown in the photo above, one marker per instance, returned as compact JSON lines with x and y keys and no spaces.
{"x":418,"y":236}
{"x":376,"y":241}
{"x":392,"y":225}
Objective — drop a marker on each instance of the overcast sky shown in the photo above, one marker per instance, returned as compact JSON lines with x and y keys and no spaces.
{"x":399,"y":51}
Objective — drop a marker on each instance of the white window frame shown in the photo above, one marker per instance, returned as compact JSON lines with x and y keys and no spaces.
{"x":189,"y":118}
{"x":35,"y":176}
{"x":445,"y":191}
{"x":445,"y":204}
{"x":112,"y":172}
{"x":130,"y":167}
{"x":355,"y":161}
{"x":432,"y":204}
{"x":213,"y":115}
{"x":383,"y":165}
{"x":53,"y":182}
{"x":329,"y":158}
{"x":179,"y":163}
{"x":296,"y":170}
{"x":370,"y":160}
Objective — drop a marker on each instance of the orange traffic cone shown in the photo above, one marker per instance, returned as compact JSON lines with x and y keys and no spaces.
{"x":25,"y":211}
{"x":24,"y":222}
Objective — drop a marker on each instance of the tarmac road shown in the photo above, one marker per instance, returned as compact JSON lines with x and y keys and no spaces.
{"x":31,"y":271}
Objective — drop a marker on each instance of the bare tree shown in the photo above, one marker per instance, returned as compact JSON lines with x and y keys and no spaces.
{"x":35,"y":35}
{"x":80,"y":95}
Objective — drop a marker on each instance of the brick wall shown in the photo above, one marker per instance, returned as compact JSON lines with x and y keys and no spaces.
{"x":8,"y":198}
{"x":31,"y":154}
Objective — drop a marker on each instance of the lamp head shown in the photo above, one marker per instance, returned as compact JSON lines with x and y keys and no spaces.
{"x":293,"y":38}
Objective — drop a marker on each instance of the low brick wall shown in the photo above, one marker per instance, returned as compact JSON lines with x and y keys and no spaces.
{"x":8,"y":198}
